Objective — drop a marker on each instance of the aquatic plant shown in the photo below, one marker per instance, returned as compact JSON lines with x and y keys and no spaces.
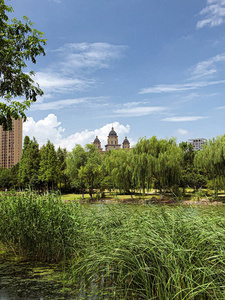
{"x":43,"y":227}
{"x":159,"y":253}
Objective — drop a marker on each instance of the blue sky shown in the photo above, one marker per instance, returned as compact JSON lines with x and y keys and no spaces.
{"x":149,"y":67}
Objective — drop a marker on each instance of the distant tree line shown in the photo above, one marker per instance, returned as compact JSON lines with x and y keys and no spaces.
{"x":152,"y":163}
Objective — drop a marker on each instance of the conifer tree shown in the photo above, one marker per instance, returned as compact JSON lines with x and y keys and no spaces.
{"x":48,"y":165}
{"x":29,"y":163}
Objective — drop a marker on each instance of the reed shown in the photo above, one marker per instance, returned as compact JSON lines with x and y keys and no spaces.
{"x":159,"y":253}
{"x":41,"y":227}
{"x":121,"y":251}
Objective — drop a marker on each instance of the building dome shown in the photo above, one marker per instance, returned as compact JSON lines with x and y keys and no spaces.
{"x":112,"y":132}
{"x":126,"y":141}
{"x":96,"y":140}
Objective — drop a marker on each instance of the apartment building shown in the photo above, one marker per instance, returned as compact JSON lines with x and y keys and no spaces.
{"x":197,"y":143}
{"x":11,"y":144}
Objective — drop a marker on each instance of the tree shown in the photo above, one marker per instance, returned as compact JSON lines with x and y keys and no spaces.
{"x":119,"y":165}
{"x":90,"y":174}
{"x":157,"y":161}
{"x":74,"y":161}
{"x":29,"y":163}
{"x":61,"y":157}
{"x":5,"y":178}
{"x":19,"y":43}
{"x":191,"y":175}
{"x":212,"y":159}
{"x":84,"y":168}
{"x":48,"y":165}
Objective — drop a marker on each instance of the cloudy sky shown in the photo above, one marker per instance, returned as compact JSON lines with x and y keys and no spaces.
{"x":149,"y":67}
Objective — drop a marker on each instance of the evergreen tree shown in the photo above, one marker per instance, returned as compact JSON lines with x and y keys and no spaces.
{"x":29,"y":163}
{"x":48,"y":165}
{"x":61,"y":157}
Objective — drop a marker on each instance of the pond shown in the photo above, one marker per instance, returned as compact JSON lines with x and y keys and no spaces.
{"x":21,"y":280}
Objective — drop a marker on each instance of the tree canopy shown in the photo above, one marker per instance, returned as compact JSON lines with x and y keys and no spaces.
{"x":19,"y":43}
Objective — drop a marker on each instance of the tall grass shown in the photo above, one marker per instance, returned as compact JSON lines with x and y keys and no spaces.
{"x":42,"y":227}
{"x":160,"y":253}
{"x":119,"y":251}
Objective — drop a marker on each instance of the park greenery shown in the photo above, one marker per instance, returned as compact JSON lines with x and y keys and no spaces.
{"x":19,"y":43}
{"x":152,"y":164}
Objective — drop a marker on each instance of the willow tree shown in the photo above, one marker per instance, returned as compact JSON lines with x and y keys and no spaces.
{"x":19,"y":43}
{"x":157,"y":161}
{"x":74,"y":161}
{"x":212,"y":159}
{"x":119,"y":164}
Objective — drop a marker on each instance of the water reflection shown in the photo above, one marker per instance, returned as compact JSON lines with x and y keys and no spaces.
{"x":5,"y":295}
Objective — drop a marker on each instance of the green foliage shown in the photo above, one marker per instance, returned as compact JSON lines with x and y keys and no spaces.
{"x":84,"y":168}
{"x":19,"y":43}
{"x":29,"y":163}
{"x":74,"y":161}
{"x":157,"y":161}
{"x":44,"y":228}
{"x":212,"y":160}
{"x":48,"y":164}
{"x":156,"y":253}
{"x":119,"y":165}
{"x":61,"y":157}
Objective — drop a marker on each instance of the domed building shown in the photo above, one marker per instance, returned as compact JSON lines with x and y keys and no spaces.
{"x":112,"y":142}
{"x":126,"y":143}
{"x":97,"y":143}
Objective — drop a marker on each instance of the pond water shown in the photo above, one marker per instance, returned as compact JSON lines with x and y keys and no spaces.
{"x":41,"y":281}
{"x":29,"y":281}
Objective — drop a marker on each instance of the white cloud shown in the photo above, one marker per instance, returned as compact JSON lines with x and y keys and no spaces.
{"x":181,"y":131}
{"x":89,"y":56}
{"x":139,"y":111}
{"x":49,"y":128}
{"x":213,"y":14}
{"x":183,"y":119}
{"x":170,"y":88}
{"x":42,"y":130}
{"x":220,"y":107}
{"x":51,"y":81}
{"x":65,"y":103}
{"x":207,"y":67}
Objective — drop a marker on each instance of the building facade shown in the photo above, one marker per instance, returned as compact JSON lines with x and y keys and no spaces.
{"x":11,"y":144}
{"x":197,"y":143}
{"x":112,"y":142}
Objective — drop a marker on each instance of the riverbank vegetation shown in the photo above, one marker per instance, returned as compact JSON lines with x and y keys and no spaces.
{"x":127,"y":252}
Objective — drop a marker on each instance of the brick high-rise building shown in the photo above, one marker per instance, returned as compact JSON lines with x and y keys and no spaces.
{"x":11,"y":144}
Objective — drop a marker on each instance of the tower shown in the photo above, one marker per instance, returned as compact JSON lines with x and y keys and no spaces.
{"x":126,"y":143}
{"x":11,"y":144}
{"x":97,"y":143}
{"x":112,"y":141}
